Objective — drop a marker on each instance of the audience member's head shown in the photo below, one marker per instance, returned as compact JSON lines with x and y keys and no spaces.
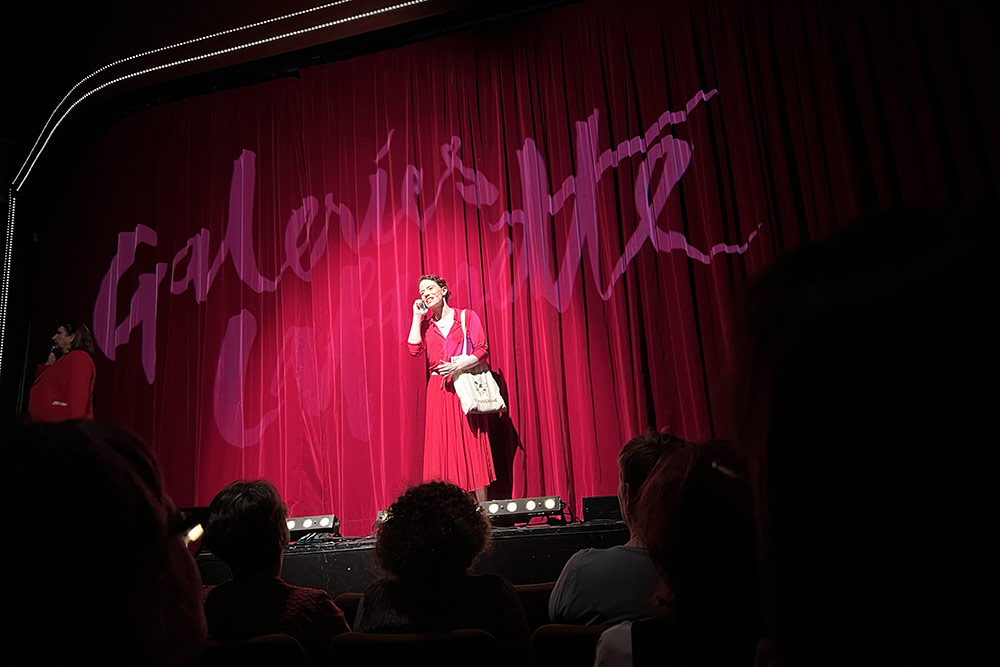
{"x":104,"y":577}
{"x":247,"y":528}
{"x":866,"y":372}
{"x":636,"y":460}
{"x":433,"y":531}
{"x":700,"y":533}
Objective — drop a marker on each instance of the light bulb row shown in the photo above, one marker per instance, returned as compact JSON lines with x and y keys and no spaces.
{"x":310,"y":522}
{"x":523,"y":505}
{"x":7,"y":264}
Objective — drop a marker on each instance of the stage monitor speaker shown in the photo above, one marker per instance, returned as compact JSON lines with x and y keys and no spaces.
{"x":601,"y":508}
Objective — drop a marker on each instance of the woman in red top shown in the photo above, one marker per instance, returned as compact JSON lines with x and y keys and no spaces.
{"x":456,"y":445}
{"x":64,"y":387}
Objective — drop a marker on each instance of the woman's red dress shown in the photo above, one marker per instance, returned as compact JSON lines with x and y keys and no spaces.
{"x":456,"y":445}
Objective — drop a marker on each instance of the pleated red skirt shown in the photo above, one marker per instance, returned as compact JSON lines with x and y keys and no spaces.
{"x":456,"y":445}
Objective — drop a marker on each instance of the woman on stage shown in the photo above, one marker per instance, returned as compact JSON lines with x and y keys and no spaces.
{"x":456,"y":445}
{"x":64,"y":386}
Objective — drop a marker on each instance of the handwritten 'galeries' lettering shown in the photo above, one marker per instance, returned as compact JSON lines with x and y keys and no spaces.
{"x":306,"y":239}
{"x":197,"y":273}
{"x":142,"y":309}
{"x":237,"y":242}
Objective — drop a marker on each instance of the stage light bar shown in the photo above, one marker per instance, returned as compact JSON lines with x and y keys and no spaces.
{"x":321,"y":523}
{"x":522,"y":508}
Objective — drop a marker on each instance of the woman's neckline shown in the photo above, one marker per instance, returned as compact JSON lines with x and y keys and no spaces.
{"x":448,"y":319}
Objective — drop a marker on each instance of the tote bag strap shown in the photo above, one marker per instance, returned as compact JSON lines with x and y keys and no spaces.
{"x":465,"y":336}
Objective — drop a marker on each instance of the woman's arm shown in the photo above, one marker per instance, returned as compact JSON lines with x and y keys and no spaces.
{"x":478,"y":353}
{"x":477,"y":335}
{"x":41,"y":368}
{"x":415,"y":341}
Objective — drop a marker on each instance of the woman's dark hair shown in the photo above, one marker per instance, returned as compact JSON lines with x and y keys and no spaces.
{"x":246,"y":526}
{"x":433,"y":277}
{"x":639,"y":455}
{"x":82,"y":338}
{"x":700,"y":533}
{"x":433,"y":531}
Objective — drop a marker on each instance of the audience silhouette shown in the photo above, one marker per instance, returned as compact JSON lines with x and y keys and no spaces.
{"x":433,"y":535}
{"x":128,"y":591}
{"x":607,"y":586}
{"x":867,"y":368}
{"x":247,"y":530}
{"x":699,"y":530}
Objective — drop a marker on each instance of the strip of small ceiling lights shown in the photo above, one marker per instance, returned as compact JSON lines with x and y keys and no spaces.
{"x":46,"y":135}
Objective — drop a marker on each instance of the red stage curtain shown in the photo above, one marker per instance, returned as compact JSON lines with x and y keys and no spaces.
{"x":595,"y":181}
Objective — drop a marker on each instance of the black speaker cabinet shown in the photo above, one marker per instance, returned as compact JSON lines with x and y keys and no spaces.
{"x":601,"y":508}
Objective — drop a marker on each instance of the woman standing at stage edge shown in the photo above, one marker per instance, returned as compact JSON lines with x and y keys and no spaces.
{"x":456,"y":445}
{"x":64,"y":384}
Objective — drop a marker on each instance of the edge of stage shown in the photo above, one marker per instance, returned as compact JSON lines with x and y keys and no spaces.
{"x":522,"y":555}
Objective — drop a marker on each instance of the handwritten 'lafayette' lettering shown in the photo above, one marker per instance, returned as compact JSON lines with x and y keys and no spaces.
{"x":306,"y":238}
{"x":307,"y":359}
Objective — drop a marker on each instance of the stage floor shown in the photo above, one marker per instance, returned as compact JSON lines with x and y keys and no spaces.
{"x":522,"y":555}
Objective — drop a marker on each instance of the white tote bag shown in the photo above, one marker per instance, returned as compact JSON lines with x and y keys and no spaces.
{"x":476,"y":388}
